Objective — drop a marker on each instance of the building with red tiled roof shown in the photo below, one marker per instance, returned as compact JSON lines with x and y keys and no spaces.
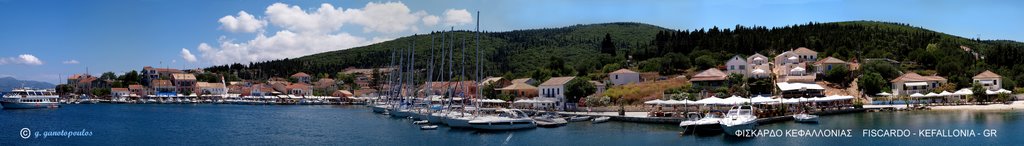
{"x":825,"y":65}
{"x":555,"y":88}
{"x":624,"y":76}
{"x":299,"y":89}
{"x":138,"y":89}
{"x":709,"y":78}
{"x":301,"y":77}
{"x":989,"y":80}
{"x":911,"y":83}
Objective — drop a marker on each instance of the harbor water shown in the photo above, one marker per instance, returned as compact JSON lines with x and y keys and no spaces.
{"x":210,"y":124}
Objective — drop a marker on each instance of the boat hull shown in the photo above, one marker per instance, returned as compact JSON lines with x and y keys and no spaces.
{"x":21,"y":105}
{"x":435,"y":119}
{"x":805,"y":118}
{"x":378,"y":109}
{"x":734,"y":130}
{"x":399,"y":113}
{"x":504,"y":125}
{"x":457,"y":122}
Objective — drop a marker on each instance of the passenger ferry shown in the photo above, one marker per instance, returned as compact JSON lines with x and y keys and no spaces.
{"x":25,"y":98}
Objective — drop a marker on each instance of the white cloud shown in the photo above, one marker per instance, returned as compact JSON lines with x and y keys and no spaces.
{"x":390,"y":17}
{"x":431,"y":20}
{"x":187,"y":55}
{"x":27,"y":59}
{"x":325,"y":19}
{"x":283,"y":44}
{"x":243,"y":23}
{"x":319,"y":29}
{"x":457,"y":17}
{"x":72,"y":61}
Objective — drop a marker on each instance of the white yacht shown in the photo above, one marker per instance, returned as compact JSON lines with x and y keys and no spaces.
{"x":708,"y":123}
{"x":25,"y":98}
{"x":458,"y":119}
{"x":805,"y":118}
{"x":739,"y":118}
{"x":505,"y":119}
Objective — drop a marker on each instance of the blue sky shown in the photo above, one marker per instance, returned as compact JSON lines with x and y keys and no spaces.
{"x":45,"y":39}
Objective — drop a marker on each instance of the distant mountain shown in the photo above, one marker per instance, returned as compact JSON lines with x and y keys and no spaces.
{"x":8,"y":83}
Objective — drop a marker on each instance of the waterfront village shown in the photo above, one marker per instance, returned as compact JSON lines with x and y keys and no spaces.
{"x":794,"y":81}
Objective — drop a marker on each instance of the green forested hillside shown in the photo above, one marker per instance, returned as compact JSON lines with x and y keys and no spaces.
{"x":583,"y":51}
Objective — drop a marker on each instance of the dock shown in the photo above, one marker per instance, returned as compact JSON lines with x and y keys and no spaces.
{"x":641,"y":117}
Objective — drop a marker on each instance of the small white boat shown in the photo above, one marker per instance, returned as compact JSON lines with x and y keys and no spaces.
{"x":601,"y":119}
{"x":739,"y":118}
{"x":706,"y":124}
{"x":549,"y":121}
{"x":428,"y":127}
{"x":578,"y":118}
{"x":805,"y":118}
{"x":420,"y":122}
{"x":506,"y":119}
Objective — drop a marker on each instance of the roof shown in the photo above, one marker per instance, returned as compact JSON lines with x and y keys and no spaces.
{"x":300,"y":74}
{"x":830,"y":60}
{"x":135,"y":86}
{"x":711,"y":74}
{"x":519,"y":86}
{"x":118,"y":89}
{"x":756,"y":56}
{"x":297,"y":85}
{"x":622,"y":71}
{"x":209,"y":85}
{"x":987,"y":74}
{"x":87,"y":79}
{"x":161,"y":83}
{"x":490,"y":80}
{"x":74,"y":76}
{"x":521,"y":80}
{"x":557,"y":81}
{"x":803,"y":50}
{"x":784,"y":86}
{"x":914,"y":77}
{"x":179,"y":76}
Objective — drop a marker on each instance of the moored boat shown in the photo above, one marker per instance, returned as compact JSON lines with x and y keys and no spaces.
{"x":601,"y":119}
{"x":738,"y":119}
{"x":506,"y":119}
{"x":805,"y":118}
{"x":25,"y":98}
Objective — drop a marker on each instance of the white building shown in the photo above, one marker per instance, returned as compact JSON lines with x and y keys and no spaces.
{"x":554,"y":88}
{"x":624,"y":76}
{"x":737,"y":65}
{"x":989,"y":80}
{"x":758,"y":66}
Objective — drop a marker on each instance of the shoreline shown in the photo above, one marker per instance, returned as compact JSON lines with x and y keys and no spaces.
{"x":1015,"y":105}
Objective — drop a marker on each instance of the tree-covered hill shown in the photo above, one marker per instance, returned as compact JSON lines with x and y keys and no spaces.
{"x":589,"y":50}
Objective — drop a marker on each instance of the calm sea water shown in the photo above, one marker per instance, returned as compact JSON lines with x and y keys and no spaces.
{"x":355,"y":125}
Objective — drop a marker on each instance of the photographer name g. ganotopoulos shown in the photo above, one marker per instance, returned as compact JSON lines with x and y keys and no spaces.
{"x":26,"y":133}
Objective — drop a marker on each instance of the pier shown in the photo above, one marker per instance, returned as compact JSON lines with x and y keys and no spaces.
{"x":641,"y":117}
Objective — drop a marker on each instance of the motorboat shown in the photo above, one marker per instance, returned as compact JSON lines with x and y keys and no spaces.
{"x":601,"y":119}
{"x":578,"y":118}
{"x":739,"y":118}
{"x":549,"y":121}
{"x":805,"y":118}
{"x":428,"y":127}
{"x":25,"y":98}
{"x":420,"y":122}
{"x":708,"y":123}
{"x":505,"y":119}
